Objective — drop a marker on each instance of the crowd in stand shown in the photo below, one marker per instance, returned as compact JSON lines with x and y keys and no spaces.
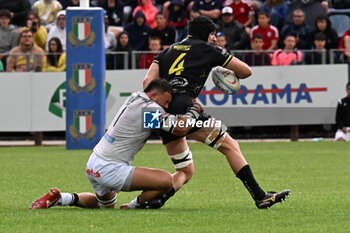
{"x":270,"y":32}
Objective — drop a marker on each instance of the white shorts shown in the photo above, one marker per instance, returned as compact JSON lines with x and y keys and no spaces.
{"x":341,"y":134}
{"x":106,"y":176}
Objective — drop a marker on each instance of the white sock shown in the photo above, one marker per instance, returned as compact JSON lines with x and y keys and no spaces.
{"x":66,"y":199}
{"x":133,"y":204}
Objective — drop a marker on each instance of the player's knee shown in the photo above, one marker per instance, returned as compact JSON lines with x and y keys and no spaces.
{"x":183,"y":159}
{"x":216,"y":137}
{"x":229,"y":144}
{"x":165,"y":181}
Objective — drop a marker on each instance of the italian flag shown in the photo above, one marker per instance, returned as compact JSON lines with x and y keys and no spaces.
{"x":83,"y":123}
{"x":82,"y":76}
{"x":81,"y":30}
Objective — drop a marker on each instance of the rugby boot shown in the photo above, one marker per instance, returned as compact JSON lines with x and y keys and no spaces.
{"x":48,"y":200}
{"x":272,"y":198}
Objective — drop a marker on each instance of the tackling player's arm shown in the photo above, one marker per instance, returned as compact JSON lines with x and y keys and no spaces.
{"x":152,"y":74}
{"x":180,"y":126}
{"x":241,"y":69}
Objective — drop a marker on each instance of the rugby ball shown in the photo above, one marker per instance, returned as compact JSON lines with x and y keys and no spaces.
{"x":225,"y":80}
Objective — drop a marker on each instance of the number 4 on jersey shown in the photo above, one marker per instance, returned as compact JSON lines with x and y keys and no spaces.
{"x":178,"y":66}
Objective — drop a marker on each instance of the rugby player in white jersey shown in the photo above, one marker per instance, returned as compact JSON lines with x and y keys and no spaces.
{"x":109,"y":167}
{"x":185,"y":67}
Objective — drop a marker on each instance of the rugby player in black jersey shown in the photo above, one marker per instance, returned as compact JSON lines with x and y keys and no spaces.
{"x":186,"y":65}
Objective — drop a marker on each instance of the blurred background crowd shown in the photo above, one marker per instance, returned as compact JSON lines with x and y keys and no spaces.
{"x":270,"y":32}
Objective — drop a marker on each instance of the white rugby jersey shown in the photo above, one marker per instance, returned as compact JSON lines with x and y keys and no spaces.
{"x":125,"y":135}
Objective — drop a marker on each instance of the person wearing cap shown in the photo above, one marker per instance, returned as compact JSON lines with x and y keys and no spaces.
{"x":209,"y":8}
{"x":8,"y":34}
{"x":235,"y":33}
{"x":186,"y":65}
{"x":58,"y":30}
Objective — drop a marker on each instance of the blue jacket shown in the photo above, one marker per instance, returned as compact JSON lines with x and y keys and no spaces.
{"x":138,"y":34}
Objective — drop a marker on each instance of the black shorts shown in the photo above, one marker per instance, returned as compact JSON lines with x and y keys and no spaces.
{"x":180,"y":104}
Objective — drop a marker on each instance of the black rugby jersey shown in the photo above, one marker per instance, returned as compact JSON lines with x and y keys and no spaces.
{"x":187,"y":64}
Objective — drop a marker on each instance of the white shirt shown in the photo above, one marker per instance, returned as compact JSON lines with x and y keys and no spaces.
{"x":125,"y":135}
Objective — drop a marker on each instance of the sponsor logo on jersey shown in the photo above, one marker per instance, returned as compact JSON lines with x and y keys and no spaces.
{"x":178,"y":82}
{"x":81,"y":33}
{"x":182,"y":47}
{"x":151,"y":119}
{"x":82,"y":126}
{"x":81,"y":81}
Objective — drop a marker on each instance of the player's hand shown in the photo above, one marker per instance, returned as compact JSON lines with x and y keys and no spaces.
{"x":198,"y":106}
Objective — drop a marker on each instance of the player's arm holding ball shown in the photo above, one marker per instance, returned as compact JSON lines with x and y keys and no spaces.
{"x":241,"y":69}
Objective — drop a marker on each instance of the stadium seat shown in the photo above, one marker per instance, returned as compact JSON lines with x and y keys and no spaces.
{"x":340,"y":23}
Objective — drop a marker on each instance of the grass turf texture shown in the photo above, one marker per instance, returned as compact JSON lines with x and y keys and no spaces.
{"x":213,"y":201}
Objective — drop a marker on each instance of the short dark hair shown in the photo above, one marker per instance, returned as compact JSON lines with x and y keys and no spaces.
{"x":6,"y":13}
{"x":348,"y":84}
{"x":161,"y":85}
{"x":264,"y":13}
{"x":257,"y":36}
{"x":320,"y":36}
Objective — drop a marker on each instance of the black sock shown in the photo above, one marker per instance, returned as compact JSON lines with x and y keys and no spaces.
{"x":75,"y":200}
{"x":168,"y":195}
{"x":246,"y":176}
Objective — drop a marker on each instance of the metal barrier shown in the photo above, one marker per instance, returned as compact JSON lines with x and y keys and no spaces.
{"x":124,"y":60}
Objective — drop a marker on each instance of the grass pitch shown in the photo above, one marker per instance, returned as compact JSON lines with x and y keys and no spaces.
{"x":213,"y":201}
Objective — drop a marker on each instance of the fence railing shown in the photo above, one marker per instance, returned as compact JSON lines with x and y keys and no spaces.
{"x":132,"y":60}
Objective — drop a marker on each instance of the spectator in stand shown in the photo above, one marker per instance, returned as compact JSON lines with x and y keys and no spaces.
{"x":73,"y":3}
{"x":164,"y":31}
{"x":129,"y":6}
{"x":109,"y":39}
{"x":221,"y":40}
{"x":27,"y":50}
{"x":209,"y":8}
{"x":139,"y":32}
{"x":236,"y":36}
{"x":55,"y":60}
{"x":8,"y":35}
{"x":311,"y":8}
{"x":277,"y":10}
{"x":324,"y":25}
{"x":148,"y":10}
{"x":47,"y":11}
{"x":155,"y":46}
{"x":340,"y":4}
{"x":38,"y":30}
{"x":344,"y":43}
{"x":269,"y":33}
{"x":319,"y":55}
{"x":342,"y":117}
{"x":287,"y":56}
{"x":299,"y":28}
{"x":258,"y":57}
{"x":19,"y":10}
{"x":177,"y":18}
{"x":243,"y":12}
{"x":58,"y":30}
{"x":123,"y":45}
{"x":187,"y":7}
{"x":114,"y":11}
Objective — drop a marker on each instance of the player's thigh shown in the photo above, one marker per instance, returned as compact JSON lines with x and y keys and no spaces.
{"x":176,"y":146}
{"x":150,"y":179}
